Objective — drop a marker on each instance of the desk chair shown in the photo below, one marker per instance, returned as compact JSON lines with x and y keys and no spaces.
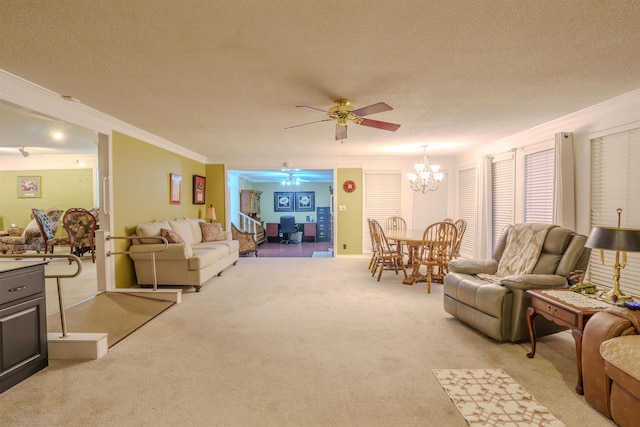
{"x":288,"y":226}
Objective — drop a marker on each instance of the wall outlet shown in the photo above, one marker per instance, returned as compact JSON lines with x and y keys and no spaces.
{"x":344,"y":246}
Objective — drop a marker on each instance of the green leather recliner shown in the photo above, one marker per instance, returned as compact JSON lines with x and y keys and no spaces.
{"x":498,"y":309}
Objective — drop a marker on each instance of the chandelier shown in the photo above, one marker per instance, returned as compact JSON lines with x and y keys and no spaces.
{"x":290,"y":181}
{"x":426,"y":178}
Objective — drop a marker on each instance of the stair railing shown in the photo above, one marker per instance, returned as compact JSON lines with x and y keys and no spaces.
{"x":152,"y":252}
{"x":249,"y":225}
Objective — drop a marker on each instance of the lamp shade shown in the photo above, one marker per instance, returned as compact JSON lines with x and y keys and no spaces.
{"x":615,"y":239}
{"x":211,"y":213}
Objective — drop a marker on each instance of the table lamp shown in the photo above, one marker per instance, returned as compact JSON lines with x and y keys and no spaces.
{"x":615,"y":239}
{"x":210,"y":214}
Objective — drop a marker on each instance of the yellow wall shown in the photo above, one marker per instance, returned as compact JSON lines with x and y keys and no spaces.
{"x":60,"y":188}
{"x":215,"y":191}
{"x":349,"y":220}
{"x":141,"y":176}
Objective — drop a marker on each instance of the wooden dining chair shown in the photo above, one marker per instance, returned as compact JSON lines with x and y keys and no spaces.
{"x":387,"y":258}
{"x":436,"y":250}
{"x":81,"y":227}
{"x":461,"y":227}
{"x":396,"y":223}
{"x":374,"y":249}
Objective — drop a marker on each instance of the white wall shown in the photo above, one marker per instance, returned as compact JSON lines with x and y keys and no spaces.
{"x":612,"y":116}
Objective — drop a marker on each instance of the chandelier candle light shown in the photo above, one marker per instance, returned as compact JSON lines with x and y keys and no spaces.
{"x":427,"y":177}
{"x":615,"y":239}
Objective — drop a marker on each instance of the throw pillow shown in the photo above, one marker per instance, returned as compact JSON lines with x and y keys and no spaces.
{"x":211,"y":232}
{"x":171,"y":236}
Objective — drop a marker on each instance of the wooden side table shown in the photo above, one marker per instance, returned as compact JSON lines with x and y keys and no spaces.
{"x":564,"y":308}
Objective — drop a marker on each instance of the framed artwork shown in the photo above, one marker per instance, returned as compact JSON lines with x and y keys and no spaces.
{"x":282,"y":201}
{"x":199,"y":185}
{"x":176,"y":188}
{"x":29,"y":187}
{"x":305,"y":201}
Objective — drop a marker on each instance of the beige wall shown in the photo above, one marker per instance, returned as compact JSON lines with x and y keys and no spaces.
{"x":141,"y":175}
{"x":60,"y":188}
{"x":349,"y":221}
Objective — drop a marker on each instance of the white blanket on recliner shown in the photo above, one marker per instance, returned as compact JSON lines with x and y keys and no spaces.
{"x":523,"y":247}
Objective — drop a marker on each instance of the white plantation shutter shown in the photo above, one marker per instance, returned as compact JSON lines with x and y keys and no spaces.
{"x":467,"y":208}
{"x":616,"y":184}
{"x":502,"y":197}
{"x":538,"y":186}
{"x":382,"y":200}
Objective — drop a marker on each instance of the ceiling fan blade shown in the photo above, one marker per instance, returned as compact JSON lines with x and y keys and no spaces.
{"x":305,"y":124}
{"x":341,"y":132}
{"x":311,"y":108}
{"x":379,"y":125}
{"x":372,"y":109}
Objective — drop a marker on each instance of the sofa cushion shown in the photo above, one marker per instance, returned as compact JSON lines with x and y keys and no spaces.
{"x":151,"y":229}
{"x":205,"y":257}
{"x":183,"y":228}
{"x":211,"y":232}
{"x":195,"y":229}
{"x":171,"y":236}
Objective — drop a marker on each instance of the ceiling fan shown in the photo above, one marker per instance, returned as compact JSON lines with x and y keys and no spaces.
{"x":343,"y":113}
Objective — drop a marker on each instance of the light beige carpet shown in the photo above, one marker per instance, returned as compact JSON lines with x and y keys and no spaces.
{"x":117,"y":314}
{"x":490,"y":397}
{"x":282,"y":342}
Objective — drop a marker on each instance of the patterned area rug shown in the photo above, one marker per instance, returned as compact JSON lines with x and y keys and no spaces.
{"x":490,"y":397}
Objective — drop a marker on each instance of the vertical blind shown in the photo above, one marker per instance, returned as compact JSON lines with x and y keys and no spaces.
{"x":382,"y":200}
{"x":538,"y":186}
{"x":616,"y":184}
{"x":467,"y":208}
{"x":502,"y":197}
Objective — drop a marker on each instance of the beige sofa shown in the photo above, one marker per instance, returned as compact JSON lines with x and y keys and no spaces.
{"x":191,"y":262}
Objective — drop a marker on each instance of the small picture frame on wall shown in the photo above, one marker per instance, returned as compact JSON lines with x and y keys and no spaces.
{"x":29,"y":187}
{"x":176,"y":188}
{"x":199,"y":186}
{"x":305,"y":201}
{"x":282,"y":201}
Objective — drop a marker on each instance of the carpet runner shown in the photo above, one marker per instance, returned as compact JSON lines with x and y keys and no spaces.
{"x":490,"y":397}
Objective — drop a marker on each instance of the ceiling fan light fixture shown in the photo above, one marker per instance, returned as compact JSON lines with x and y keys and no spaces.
{"x":290,"y":181}
{"x":23,"y":152}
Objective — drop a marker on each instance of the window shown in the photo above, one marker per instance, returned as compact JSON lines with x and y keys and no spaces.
{"x":502,"y":196}
{"x":382,"y":200}
{"x":538,"y":186}
{"x":616,"y":184}
{"x":467,"y":208}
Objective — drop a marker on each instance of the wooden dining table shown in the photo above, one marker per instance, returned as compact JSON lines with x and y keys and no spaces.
{"x":413,"y":240}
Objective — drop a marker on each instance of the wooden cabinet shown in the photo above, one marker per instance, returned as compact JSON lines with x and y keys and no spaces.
{"x":23,"y":322}
{"x":250,"y":203}
{"x":309,"y":231}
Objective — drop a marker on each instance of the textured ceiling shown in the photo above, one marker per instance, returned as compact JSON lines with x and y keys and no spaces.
{"x":223,"y":77}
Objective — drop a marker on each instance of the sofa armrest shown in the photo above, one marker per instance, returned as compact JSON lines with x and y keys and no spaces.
{"x":473,"y":266}
{"x":630,"y":315}
{"x":174,"y":251}
{"x":534,"y":281}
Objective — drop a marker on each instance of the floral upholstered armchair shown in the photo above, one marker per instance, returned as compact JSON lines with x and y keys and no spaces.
{"x":36,"y":235}
{"x":81,"y":227}
{"x":247,"y":241}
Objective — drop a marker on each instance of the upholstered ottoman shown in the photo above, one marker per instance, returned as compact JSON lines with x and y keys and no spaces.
{"x":622,"y":365}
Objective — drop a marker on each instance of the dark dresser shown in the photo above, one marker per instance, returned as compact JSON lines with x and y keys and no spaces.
{"x":23,"y":321}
